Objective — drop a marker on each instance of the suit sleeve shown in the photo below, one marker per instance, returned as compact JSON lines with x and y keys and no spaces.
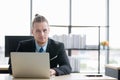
{"x":9,"y":68}
{"x":63,"y":62}
{"x":9,"y":63}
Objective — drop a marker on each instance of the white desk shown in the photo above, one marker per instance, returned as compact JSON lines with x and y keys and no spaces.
{"x":4,"y":67}
{"x":73,"y":76}
{"x":112,"y":70}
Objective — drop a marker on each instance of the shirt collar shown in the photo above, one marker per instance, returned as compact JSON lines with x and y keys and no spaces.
{"x":38,"y":47}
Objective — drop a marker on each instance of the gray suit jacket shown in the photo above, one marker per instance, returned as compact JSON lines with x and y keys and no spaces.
{"x":56,"y":51}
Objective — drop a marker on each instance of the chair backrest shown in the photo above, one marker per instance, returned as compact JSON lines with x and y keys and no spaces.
{"x":11,"y":43}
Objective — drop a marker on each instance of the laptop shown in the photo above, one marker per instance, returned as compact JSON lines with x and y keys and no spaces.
{"x":30,"y":65}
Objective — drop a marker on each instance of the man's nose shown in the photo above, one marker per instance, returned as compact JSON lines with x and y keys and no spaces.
{"x":42,"y":33}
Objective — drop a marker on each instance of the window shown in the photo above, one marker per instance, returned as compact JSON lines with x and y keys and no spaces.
{"x":83,"y":13}
{"x":16,"y":17}
{"x":14,"y":20}
{"x":114,"y":19}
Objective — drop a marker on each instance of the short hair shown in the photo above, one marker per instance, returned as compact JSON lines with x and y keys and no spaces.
{"x":39,"y":18}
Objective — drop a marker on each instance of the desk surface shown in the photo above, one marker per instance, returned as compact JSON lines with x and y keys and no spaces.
{"x":4,"y":67}
{"x":113,"y":66}
{"x":73,"y":76}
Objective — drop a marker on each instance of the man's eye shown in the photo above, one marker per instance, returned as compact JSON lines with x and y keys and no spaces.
{"x":45,"y":30}
{"x":37,"y":31}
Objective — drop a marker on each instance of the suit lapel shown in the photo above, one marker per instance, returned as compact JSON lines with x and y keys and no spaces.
{"x":50,"y":49}
{"x":33,"y":47}
{"x":48,"y":45}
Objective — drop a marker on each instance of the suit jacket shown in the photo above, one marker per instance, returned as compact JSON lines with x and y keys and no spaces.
{"x":56,"y":51}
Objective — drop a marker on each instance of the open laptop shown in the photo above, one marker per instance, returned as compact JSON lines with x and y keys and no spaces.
{"x":30,"y":65}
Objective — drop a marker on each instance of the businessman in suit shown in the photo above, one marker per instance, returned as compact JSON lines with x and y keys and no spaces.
{"x":59,"y":63}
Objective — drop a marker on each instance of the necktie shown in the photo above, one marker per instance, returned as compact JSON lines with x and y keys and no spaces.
{"x":41,"y":49}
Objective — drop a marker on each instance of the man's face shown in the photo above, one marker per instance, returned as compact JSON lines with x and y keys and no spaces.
{"x":40,"y":32}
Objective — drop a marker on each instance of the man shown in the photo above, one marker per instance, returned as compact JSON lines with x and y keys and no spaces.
{"x":41,"y":42}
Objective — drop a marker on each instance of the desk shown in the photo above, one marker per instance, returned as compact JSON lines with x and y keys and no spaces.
{"x":112,"y":70}
{"x":73,"y":76}
{"x":4,"y":68}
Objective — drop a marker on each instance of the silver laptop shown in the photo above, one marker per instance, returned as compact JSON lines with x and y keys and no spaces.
{"x":30,"y":65}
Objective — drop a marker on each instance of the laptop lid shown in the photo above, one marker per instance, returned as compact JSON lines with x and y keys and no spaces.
{"x":30,"y":65}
